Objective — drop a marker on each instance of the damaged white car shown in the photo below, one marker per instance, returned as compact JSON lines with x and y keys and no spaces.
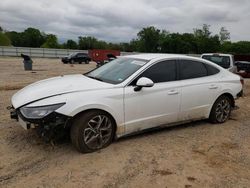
{"x":127,"y":95}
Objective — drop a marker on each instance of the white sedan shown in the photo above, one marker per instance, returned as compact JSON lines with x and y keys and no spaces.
{"x":127,"y":95}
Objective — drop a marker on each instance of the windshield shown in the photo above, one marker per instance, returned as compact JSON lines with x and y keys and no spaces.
{"x":117,"y":70}
{"x":71,"y":55}
{"x":223,"y":61}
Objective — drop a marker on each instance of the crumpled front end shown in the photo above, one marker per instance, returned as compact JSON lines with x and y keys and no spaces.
{"x":50,"y":127}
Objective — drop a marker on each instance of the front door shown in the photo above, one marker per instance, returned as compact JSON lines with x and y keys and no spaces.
{"x":156,"y":105}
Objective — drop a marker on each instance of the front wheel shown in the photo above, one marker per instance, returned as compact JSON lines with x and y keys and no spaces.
{"x":92,"y":131}
{"x":221,"y":110}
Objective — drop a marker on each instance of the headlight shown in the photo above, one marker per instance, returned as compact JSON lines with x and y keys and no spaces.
{"x":40,"y":111}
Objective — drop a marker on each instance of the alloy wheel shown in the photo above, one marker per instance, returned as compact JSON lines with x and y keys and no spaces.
{"x":98,"y":132}
{"x":222,"y":111}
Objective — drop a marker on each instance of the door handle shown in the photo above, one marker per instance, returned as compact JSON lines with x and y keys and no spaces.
{"x":173,"y":92}
{"x":213,"y":87}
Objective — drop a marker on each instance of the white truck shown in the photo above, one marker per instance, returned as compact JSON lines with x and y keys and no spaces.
{"x":224,"y":60}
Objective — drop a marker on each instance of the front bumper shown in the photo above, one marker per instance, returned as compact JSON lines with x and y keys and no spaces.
{"x":65,"y":60}
{"x":52,"y":120}
{"x":51,"y":128}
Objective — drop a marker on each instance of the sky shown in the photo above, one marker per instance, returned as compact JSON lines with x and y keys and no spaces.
{"x":121,"y":20}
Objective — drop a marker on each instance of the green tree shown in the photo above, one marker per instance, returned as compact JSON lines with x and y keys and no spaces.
{"x":126,"y":47}
{"x":4,"y":40}
{"x":32,"y":38}
{"x":227,"y":47}
{"x":70,"y":44}
{"x":51,"y":42}
{"x":16,"y":38}
{"x":204,"y":32}
{"x":178,"y":43}
{"x":135,"y":45}
{"x":241,"y":47}
{"x":86,"y":43}
{"x":205,"y":42}
{"x":149,"y":39}
{"x":224,"y":35}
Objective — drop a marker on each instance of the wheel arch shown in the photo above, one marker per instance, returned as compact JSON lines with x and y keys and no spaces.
{"x":228,"y":94}
{"x":97,"y":109}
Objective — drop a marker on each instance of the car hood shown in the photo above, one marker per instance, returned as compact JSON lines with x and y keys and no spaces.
{"x":56,"y":86}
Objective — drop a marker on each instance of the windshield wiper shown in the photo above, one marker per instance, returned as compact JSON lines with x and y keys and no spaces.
{"x":99,"y":79}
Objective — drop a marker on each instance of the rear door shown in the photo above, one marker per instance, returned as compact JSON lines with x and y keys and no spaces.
{"x":80,"y":57}
{"x":156,"y":105}
{"x":199,"y":87}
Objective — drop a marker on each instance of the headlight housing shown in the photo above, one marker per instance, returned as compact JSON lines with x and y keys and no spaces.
{"x":39,"y":112}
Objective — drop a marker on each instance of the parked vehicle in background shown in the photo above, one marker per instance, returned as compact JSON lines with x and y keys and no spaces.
{"x":77,"y":58}
{"x":234,"y":63}
{"x":224,"y":60}
{"x":103,"y":56}
{"x":243,"y":66}
{"x":129,"y":94}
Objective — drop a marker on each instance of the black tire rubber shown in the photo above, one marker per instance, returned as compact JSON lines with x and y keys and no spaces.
{"x":78,"y":126}
{"x":212,"y":116}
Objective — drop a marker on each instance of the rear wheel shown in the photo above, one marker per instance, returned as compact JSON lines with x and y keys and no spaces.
{"x":92,"y":131}
{"x":221,"y":110}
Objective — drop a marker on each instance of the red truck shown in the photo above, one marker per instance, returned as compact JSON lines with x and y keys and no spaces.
{"x":103,"y":56}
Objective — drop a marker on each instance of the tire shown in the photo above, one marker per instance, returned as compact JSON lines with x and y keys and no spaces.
{"x":85,"y":134}
{"x":221,"y":110}
{"x":87,"y":62}
{"x":80,"y":62}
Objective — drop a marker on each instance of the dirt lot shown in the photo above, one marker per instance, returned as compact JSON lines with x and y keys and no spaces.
{"x":192,"y":155}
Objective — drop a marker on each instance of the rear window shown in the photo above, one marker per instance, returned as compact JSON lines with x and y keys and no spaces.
{"x":211,"y":70}
{"x":192,"y":69}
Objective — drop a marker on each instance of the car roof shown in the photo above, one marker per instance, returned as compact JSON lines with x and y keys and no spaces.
{"x":149,"y":56}
{"x":219,"y":54}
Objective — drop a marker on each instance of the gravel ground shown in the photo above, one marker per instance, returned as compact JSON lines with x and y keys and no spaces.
{"x":198,"y":154}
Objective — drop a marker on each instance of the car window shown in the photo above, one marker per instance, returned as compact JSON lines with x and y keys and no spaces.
{"x":211,"y":70}
{"x":164,"y":71}
{"x":81,"y":55}
{"x":192,"y":69}
{"x":223,"y":61}
{"x":117,"y":70}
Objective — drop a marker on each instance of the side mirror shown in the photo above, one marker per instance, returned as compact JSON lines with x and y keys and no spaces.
{"x":143,"y":82}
